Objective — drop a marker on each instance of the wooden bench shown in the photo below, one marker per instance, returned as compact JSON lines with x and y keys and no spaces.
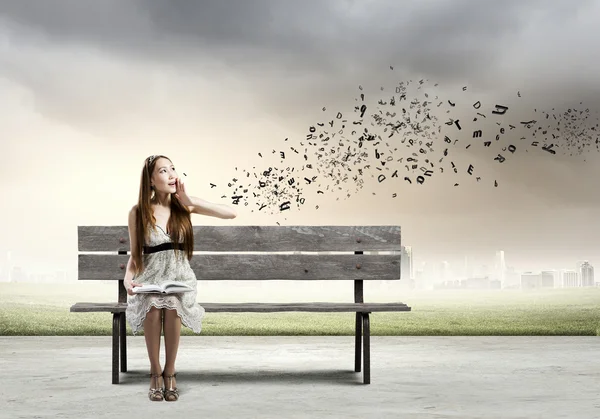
{"x":360,"y":262}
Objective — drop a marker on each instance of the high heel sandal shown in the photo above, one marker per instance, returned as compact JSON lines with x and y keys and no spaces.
{"x":156,"y":394}
{"x":171,"y":394}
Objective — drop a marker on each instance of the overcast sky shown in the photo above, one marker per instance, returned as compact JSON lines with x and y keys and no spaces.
{"x":91,"y":88}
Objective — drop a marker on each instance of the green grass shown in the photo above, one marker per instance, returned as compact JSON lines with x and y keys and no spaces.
{"x":574,"y":312}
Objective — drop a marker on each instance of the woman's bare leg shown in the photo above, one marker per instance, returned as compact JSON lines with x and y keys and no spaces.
{"x":152,"y":329}
{"x":172,"y":330}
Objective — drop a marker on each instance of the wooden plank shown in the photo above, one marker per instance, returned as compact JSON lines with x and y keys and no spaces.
{"x":258,"y":238}
{"x":308,"y":307}
{"x":260,"y":267}
{"x":261,"y":307}
{"x":94,"y":307}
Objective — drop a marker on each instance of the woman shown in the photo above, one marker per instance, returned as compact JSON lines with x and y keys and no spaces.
{"x":160,"y":227}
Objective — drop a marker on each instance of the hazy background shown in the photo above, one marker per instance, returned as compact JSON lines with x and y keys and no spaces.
{"x":89,"y":89}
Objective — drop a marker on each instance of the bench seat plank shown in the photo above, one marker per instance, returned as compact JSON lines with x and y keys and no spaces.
{"x":314,"y":307}
{"x":94,"y":307}
{"x":259,"y":307}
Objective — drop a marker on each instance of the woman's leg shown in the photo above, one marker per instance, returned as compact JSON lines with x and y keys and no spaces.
{"x":152,"y":329}
{"x":172,"y":330}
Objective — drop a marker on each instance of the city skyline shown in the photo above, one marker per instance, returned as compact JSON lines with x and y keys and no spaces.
{"x":429,"y":273}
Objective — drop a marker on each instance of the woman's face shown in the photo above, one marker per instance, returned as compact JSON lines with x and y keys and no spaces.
{"x":164,"y":176}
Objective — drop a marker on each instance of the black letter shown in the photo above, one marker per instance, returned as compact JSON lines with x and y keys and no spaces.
{"x":500,"y":110}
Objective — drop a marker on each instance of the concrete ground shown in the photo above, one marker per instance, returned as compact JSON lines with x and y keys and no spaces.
{"x":308,"y":377}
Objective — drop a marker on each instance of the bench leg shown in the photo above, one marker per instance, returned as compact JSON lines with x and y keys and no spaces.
{"x":123,"y":336}
{"x":366,"y":349}
{"x":115,"y":348}
{"x":358,"y":342}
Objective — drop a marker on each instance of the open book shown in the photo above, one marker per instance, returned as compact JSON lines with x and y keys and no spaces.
{"x":170,"y":287}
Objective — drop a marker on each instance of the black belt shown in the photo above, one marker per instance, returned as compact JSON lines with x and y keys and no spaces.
{"x":163,"y":246}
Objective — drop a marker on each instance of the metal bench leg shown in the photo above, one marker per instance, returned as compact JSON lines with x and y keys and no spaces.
{"x":123,"y":336}
{"x":366,"y":349}
{"x":358,"y":342}
{"x":115,"y":348}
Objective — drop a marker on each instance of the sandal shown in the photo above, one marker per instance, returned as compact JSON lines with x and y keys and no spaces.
{"x":171,"y":394}
{"x":156,"y":394}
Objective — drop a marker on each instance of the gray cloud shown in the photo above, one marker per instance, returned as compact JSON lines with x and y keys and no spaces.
{"x":448,"y":40}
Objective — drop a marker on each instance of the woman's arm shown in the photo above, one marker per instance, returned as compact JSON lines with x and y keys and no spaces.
{"x":203,"y":207}
{"x":129,"y":275}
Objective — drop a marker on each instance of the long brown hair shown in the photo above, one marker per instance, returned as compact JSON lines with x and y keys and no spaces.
{"x":180,"y":222}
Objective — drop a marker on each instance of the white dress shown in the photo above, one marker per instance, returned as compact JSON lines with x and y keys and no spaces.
{"x":163,"y":262}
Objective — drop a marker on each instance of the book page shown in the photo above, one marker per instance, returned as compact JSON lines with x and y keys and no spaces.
{"x":168,"y":284}
{"x":147,"y":288}
{"x":171,"y":286}
{"x":173,"y":289}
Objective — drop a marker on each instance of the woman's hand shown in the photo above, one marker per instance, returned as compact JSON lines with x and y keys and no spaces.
{"x":129,"y":286}
{"x":181,"y":195}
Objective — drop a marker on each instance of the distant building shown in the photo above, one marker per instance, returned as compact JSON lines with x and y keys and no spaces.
{"x":549,"y":279}
{"x":444,"y":272}
{"x":530,"y":280}
{"x":407,"y":277}
{"x":18,"y":274}
{"x":578,"y":265}
{"x":63,"y":276}
{"x":452,"y":284}
{"x":586,"y":272}
{"x":420,"y":279}
{"x":467,"y":268}
{"x":500,"y":267}
{"x":477,"y":283}
{"x":513,"y":278}
{"x":569,"y":278}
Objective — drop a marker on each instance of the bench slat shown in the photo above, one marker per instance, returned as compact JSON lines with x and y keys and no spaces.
{"x":93,"y":307}
{"x":259,"y":267}
{"x":260,"y":307}
{"x":314,"y":307}
{"x":258,"y":238}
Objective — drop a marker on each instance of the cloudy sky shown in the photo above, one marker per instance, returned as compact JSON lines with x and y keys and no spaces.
{"x":90,"y":89}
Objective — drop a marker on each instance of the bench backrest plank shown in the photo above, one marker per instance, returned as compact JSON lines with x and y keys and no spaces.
{"x":258,"y":238}
{"x":259,"y":267}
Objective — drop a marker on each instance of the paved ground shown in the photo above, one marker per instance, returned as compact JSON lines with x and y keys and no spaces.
{"x":308,"y":377}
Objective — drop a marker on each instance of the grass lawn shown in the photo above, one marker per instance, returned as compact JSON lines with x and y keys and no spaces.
{"x":434,"y":313}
